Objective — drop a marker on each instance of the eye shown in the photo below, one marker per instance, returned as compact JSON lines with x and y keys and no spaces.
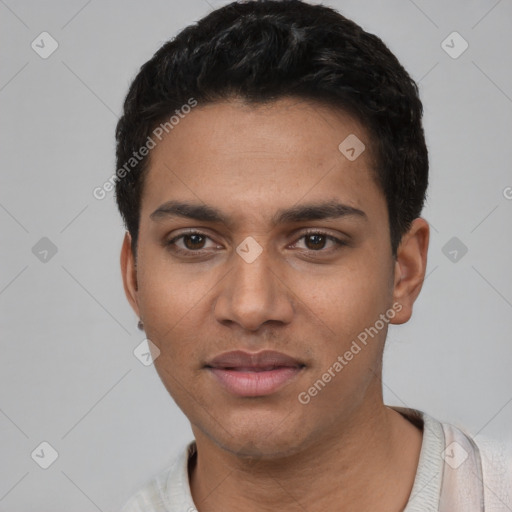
{"x":315,"y":241}
{"x":192,"y":242}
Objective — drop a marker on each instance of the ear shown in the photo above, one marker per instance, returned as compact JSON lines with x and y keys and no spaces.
{"x":410,"y":267}
{"x":129,"y":273}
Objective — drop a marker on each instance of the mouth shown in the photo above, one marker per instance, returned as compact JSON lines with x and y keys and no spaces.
{"x":248,"y":374}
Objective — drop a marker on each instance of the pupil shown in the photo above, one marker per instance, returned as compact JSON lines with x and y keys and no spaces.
{"x":196,"y":240}
{"x":317,"y":240}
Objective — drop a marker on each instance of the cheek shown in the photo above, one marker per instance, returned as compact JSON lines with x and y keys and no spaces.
{"x":347,"y":308}
{"x":165,"y":305}
{"x":348,"y":299}
{"x":167,"y":292}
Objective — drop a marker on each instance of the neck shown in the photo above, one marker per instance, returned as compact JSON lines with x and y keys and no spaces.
{"x":367,"y":463}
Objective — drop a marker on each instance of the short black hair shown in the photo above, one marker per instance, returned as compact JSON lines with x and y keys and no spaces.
{"x":265,"y":50}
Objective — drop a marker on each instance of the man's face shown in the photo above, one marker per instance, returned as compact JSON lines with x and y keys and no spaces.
{"x":304,"y":296}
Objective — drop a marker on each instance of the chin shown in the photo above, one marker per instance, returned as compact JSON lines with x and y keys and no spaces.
{"x":263,"y":449}
{"x":255,"y":439}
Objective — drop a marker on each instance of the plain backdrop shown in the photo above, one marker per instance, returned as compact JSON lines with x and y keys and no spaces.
{"x":68,"y":374}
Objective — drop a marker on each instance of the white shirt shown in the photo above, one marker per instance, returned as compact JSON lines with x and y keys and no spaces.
{"x":455,"y":473}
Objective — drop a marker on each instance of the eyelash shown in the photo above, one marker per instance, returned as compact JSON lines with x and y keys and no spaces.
{"x":199,"y":252}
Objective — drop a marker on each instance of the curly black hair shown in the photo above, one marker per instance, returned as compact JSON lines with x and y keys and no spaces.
{"x":261,"y":51}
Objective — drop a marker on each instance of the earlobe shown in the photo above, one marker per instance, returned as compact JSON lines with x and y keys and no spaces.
{"x":129,"y":273}
{"x":410,"y":266}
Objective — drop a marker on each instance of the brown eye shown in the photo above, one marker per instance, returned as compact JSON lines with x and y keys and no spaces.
{"x":192,"y":244}
{"x":194,"y":241}
{"x":315,"y":241}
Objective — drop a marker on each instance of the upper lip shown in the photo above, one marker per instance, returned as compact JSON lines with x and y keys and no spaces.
{"x":266,"y":359}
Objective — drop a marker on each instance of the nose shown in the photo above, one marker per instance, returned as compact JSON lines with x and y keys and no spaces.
{"x":254,"y":293}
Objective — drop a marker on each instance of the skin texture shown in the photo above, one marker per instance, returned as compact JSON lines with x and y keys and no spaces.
{"x":309,"y":299}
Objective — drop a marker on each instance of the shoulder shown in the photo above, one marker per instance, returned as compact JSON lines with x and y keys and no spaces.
{"x":167,"y":491}
{"x":493,"y":465}
{"x":464,"y":470}
{"x":496,"y":458}
{"x":495,"y":455}
{"x":151,"y":497}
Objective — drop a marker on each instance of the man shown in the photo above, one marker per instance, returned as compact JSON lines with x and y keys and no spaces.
{"x":272,"y":172}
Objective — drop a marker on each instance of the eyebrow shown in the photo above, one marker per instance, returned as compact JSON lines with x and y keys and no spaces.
{"x":299,"y":213}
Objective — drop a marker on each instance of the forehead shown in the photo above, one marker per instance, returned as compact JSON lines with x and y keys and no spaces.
{"x":242,"y":157}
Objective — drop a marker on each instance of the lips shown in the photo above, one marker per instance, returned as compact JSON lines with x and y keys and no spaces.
{"x":259,"y":361}
{"x":254,"y":374}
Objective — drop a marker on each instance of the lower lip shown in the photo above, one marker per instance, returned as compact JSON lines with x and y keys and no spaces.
{"x":244,"y":383}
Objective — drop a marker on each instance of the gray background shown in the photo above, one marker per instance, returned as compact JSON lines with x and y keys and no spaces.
{"x":68,"y":375}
